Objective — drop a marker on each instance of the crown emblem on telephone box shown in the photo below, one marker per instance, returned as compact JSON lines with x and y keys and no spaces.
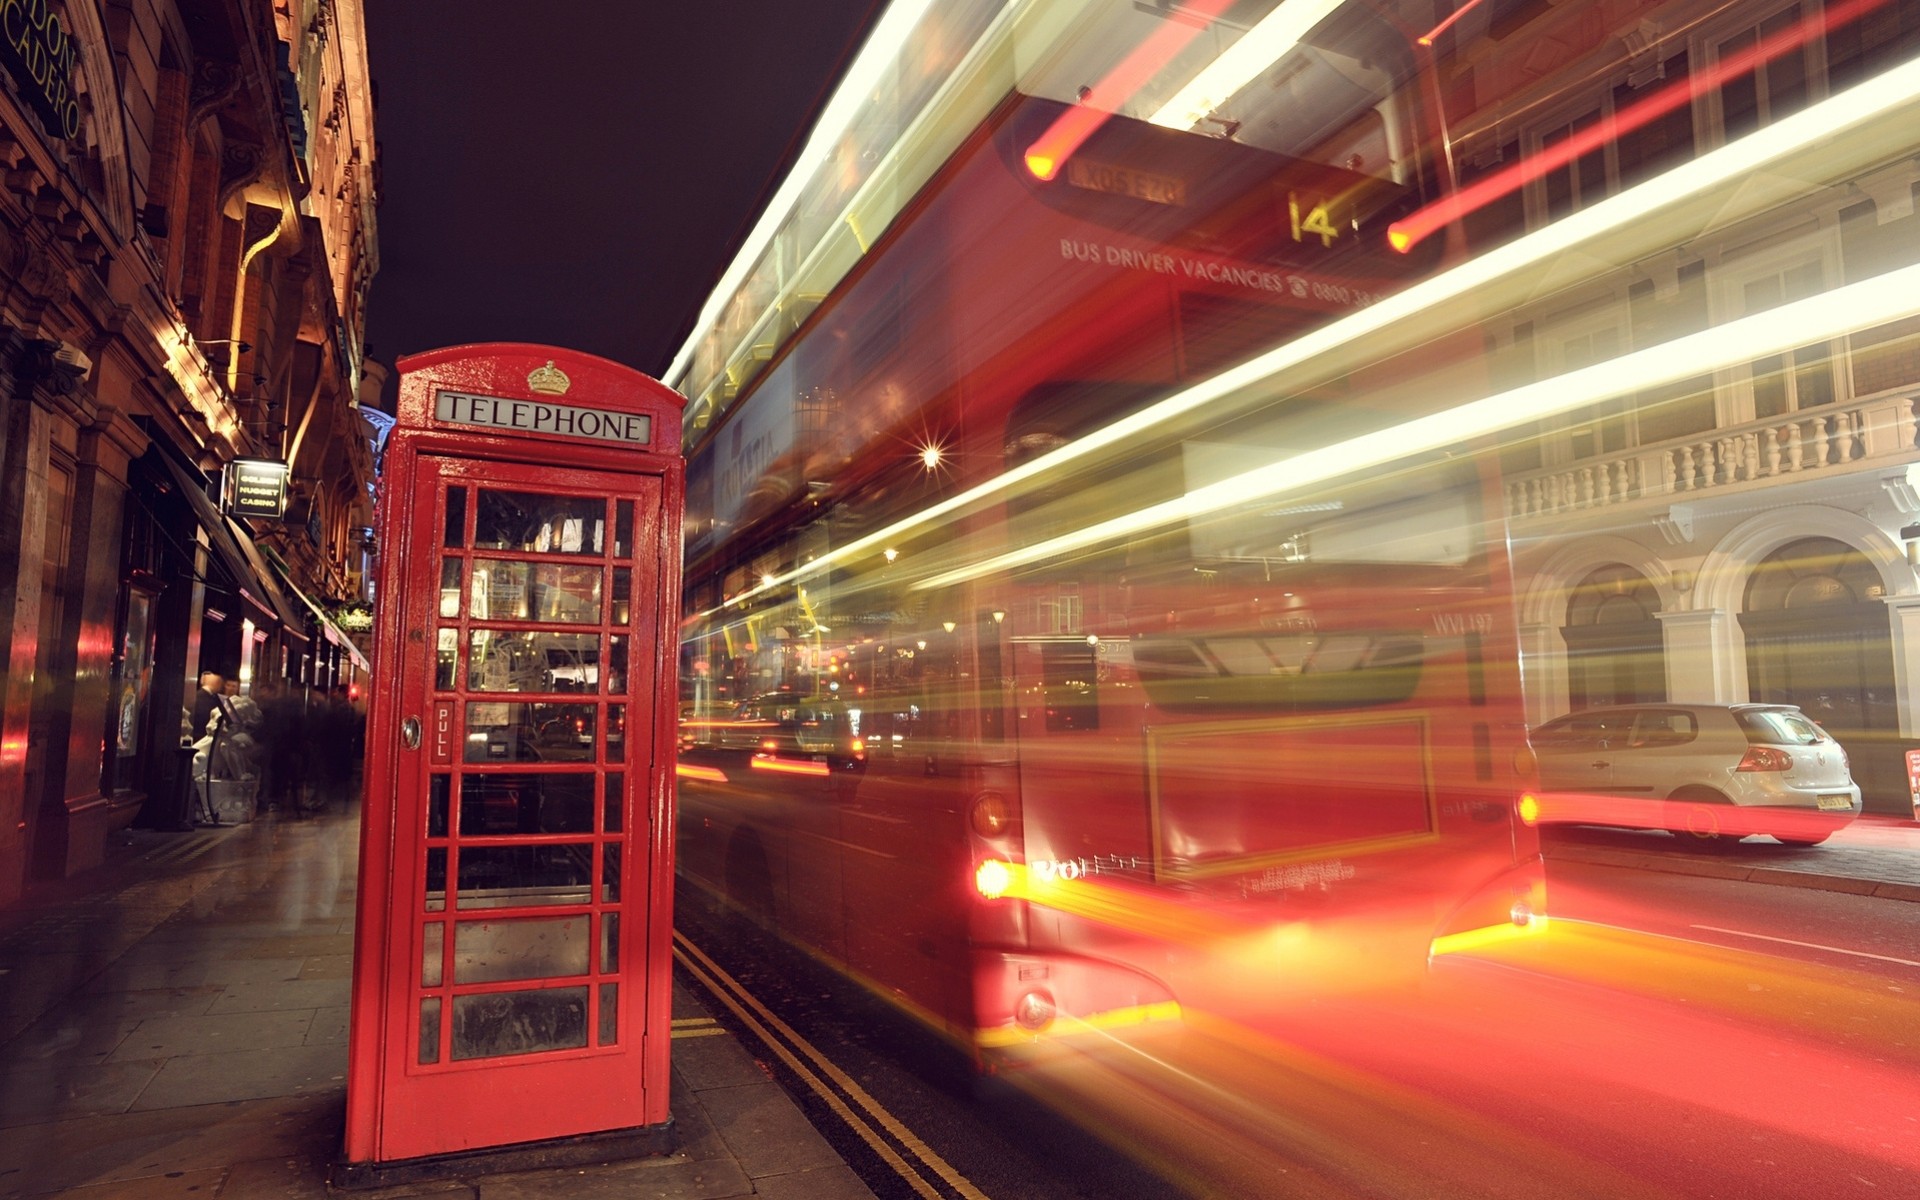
{"x":549,"y":380}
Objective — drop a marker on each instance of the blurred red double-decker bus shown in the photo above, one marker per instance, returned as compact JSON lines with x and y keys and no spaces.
{"x":1053,"y":660}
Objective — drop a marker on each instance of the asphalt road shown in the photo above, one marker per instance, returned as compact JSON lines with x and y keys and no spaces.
{"x":1666,"y":1036}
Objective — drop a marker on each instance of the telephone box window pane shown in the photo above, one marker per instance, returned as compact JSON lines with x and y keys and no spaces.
{"x":609,"y":1013}
{"x":430,"y":1030}
{"x":503,"y":1023}
{"x":437,"y":880}
{"x":439,"y":789}
{"x":616,"y":801}
{"x":510,"y":733}
{"x":616,"y":733}
{"x":510,"y":804}
{"x":536,"y":948}
{"x":512,"y":876}
{"x":450,"y":587}
{"x":431,"y":950}
{"x":610,"y":943}
{"x":532,"y":661}
{"x":610,"y":874}
{"x":623,"y":529}
{"x":528,"y":521}
{"x":456,"y":517}
{"x":508,"y":590}
{"x":446,"y":659}
{"x":617,"y":664}
{"x":622,"y":595}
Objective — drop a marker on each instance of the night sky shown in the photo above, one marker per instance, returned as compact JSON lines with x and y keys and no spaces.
{"x":581,"y":174}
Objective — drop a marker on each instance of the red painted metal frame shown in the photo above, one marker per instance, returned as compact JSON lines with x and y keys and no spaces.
{"x":510,"y":1105}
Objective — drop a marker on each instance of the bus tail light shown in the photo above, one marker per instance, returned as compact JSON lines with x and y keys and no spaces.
{"x":1765,"y":758}
{"x":992,"y":878}
{"x":1529,"y":809}
{"x":990,"y":814}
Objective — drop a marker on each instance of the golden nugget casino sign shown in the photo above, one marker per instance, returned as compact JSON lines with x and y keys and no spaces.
{"x":40,"y":57}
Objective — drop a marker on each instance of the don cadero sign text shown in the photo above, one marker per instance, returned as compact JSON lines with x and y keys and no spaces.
{"x":40,"y":58}
{"x":544,"y":416}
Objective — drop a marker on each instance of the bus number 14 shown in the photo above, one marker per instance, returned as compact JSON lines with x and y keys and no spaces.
{"x":1315,"y":220}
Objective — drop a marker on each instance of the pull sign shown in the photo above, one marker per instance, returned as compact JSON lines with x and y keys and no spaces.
{"x":541,"y":416}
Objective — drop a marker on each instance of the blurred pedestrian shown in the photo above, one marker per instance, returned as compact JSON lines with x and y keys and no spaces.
{"x":203,"y":734}
{"x":237,"y":748}
{"x":206,"y":701}
{"x":332,"y":742}
{"x":282,"y":752}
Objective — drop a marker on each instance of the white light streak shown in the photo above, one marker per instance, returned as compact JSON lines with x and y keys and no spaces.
{"x":1710,"y":174}
{"x":877,"y":56}
{"x":1241,"y":63}
{"x":1890,"y":297}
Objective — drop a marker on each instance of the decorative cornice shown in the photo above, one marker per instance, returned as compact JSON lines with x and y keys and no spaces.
{"x":1904,"y":489}
{"x":1675,"y":524}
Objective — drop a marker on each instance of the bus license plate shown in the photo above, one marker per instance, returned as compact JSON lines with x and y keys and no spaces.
{"x":1826,"y":802}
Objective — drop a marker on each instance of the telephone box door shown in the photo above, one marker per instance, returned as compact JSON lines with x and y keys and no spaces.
{"x":510,"y":1018}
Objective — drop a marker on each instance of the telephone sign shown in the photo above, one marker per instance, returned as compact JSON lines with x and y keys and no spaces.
{"x":511,"y":959}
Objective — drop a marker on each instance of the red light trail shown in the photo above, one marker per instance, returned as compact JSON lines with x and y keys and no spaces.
{"x":1410,"y":231}
{"x":1072,"y":128}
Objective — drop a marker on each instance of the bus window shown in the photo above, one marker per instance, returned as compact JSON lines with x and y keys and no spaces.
{"x":993,"y":721}
{"x":1278,"y":673}
{"x":1067,"y":673}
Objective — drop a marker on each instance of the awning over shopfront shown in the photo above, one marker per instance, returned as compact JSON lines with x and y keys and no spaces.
{"x":236,"y":550}
{"x":329,"y":628}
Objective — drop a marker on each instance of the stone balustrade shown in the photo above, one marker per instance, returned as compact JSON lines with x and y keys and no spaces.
{"x":1882,"y":428}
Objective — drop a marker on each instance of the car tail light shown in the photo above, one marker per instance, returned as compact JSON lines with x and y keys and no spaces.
{"x":1765,"y":758}
{"x":859,"y":748}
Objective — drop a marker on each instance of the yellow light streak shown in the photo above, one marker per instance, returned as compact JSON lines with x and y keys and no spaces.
{"x":1241,"y":63}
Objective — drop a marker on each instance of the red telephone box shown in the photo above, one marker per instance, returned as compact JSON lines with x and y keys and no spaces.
{"x":512,"y":950}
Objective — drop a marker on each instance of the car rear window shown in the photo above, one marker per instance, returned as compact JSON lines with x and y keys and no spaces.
{"x":1772,"y":727}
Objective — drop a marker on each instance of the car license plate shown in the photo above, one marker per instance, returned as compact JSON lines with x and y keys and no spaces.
{"x":1835,"y":802}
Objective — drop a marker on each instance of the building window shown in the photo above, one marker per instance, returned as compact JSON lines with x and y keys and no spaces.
{"x":1777,"y":86}
{"x":1580,"y":183}
{"x":1795,"y":380}
{"x":1885,"y":36}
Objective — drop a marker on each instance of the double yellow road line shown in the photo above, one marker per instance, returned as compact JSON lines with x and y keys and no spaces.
{"x":925,"y":1171}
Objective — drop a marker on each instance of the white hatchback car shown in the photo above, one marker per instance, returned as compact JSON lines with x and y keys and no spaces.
{"x":1713,"y":770}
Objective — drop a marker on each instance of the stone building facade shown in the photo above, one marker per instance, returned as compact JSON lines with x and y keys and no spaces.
{"x":187,"y":236}
{"x":1752,"y":533}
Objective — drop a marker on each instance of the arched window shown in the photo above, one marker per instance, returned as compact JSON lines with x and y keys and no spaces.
{"x":1818,"y":637}
{"x":1615,"y":652}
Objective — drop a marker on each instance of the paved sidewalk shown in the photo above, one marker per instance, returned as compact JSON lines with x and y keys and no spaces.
{"x":1876,"y":856}
{"x":175,"y":1026}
